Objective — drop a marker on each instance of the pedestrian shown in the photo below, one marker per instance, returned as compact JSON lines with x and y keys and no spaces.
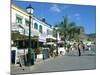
{"x":20,"y":65}
{"x":83,"y":47}
{"x":79,"y":51}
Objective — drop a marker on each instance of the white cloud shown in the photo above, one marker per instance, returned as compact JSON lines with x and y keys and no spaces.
{"x":77,"y":16}
{"x":55,"y":8}
{"x":58,"y":8}
{"x":65,"y":7}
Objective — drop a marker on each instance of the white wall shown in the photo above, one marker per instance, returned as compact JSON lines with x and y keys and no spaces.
{"x":25,"y":17}
{"x":45,"y":27}
{"x":13,"y":16}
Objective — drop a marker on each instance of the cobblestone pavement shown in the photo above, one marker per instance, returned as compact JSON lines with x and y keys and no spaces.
{"x":60,"y":63}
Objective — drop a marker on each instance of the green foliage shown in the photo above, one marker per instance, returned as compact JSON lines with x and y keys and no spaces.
{"x":38,"y":50}
{"x":68,"y":46}
{"x":68,"y":31}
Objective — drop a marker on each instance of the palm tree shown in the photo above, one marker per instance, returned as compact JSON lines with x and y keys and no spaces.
{"x":67,"y":30}
{"x":63,"y":28}
{"x":73,"y":31}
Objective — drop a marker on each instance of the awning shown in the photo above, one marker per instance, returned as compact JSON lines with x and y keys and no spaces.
{"x":50,"y":37}
{"x":17,"y":36}
{"x":60,"y":41}
{"x":42,"y":38}
{"x":51,"y":43}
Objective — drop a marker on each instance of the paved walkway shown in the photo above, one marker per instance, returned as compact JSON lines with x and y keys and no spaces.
{"x":60,"y":63}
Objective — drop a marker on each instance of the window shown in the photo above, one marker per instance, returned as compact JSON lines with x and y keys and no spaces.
{"x":35,"y":26}
{"x":18,"y":19}
{"x":40,"y":28}
{"x":49,"y":32}
{"x":27,"y":22}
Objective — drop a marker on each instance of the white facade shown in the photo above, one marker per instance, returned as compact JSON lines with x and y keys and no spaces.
{"x":46,"y":29}
{"x":19,"y":23}
{"x":21,"y":26}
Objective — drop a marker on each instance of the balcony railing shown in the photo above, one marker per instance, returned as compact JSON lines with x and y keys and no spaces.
{"x":23,"y":29}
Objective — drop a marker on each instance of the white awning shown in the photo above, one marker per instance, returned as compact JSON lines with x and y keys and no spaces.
{"x":51,"y":37}
{"x":60,"y":41}
{"x":42,"y":37}
{"x":51,"y":43}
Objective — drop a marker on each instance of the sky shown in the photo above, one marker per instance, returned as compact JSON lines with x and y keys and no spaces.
{"x":82,"y":15}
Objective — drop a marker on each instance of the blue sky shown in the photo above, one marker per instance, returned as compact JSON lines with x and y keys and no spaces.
{"x":82,"y":15}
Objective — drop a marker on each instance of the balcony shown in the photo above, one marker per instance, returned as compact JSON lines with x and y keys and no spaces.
{"x":24,"y":30}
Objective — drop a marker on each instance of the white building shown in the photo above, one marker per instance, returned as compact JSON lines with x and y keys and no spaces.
{"x":19,"y":24}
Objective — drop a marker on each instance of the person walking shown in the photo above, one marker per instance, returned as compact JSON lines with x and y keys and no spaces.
{"x":79,"y":51}
{"x":83,"y":46}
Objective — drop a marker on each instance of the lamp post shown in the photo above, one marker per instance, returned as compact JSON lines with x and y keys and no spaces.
{"x":56,"y":41}
{"x":30,"y":11}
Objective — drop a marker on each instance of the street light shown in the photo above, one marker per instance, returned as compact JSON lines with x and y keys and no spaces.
{"x":30,"y":11}
{"x":56,"y":41}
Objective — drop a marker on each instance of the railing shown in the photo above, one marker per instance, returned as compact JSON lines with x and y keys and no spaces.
{"x":23,"y":29}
